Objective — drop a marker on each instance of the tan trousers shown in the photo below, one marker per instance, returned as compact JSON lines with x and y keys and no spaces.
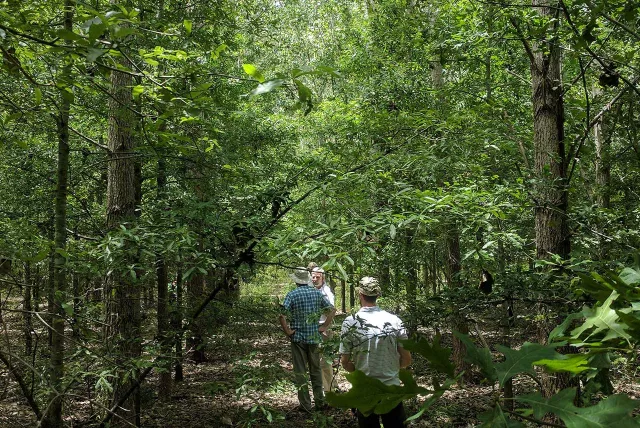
{"x":329,"y":382}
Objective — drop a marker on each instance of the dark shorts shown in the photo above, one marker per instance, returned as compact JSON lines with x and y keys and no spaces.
{"x":394,"y":419}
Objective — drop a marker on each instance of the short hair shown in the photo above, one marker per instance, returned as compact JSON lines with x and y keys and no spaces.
{"x":369,"y":299}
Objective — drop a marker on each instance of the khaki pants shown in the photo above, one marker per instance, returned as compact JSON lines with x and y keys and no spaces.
{"x":306,"y":361}
{"x":329,"y":382}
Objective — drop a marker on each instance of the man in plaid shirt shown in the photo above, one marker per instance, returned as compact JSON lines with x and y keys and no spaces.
{"x":304,"y":306}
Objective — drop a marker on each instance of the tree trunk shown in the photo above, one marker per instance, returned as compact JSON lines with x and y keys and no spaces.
{"x":343,"y":295}
{"x":28,"y":307}
{"x":123,"y":313}
{"x":552,"y":197}
{"x":176,"y":325}
{"x":164,"y":381}
{"x":53,"y":416}
{"x":551,"y":190}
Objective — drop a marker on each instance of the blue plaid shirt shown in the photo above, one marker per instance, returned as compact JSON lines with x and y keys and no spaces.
{"x":304,"y":305}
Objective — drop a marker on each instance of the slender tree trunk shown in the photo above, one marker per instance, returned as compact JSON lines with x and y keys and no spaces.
{"x":164,"y":382}
{"x":53,"y":416}
{"x":176,"y":325}
{"x":343,"y":295}
{"x":28,"y":307}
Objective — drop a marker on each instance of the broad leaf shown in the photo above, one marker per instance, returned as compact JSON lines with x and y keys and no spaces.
{"x":522,"y":360}
{"x":266,"y":87}
{"x":602,"y":319}
{"x":370,"y":395}
{"x":481,"y":357}
{"x":436,"y":354}
{"x":573,"y":363}
{"x":252,"y":71}
{"x":614,"y":411}
{"x":495,"y":418}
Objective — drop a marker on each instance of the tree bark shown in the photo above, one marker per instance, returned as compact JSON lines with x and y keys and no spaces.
{"x":123,"y":309}
{"x":552,"y":196}
{"x":164,"y":372}
{"x":53,"y":416}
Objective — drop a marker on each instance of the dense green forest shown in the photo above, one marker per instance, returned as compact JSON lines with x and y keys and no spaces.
{"x":164,"y":165}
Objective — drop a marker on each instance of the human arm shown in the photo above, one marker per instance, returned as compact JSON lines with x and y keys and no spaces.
{"x":405,"y":357}
{"x":285,"y":326}
{"x":327,"y":323}
{"x":347,"y":364}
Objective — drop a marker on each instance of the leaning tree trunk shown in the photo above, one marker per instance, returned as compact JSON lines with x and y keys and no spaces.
{"x":53,"y":416}
{"x":124,"y":311}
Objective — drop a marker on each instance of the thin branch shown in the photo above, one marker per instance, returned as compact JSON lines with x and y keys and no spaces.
{"x":614,"y":21}
{"x":524,"y":41}
{"x":23,"y":386}
{"x":536,"y":421}
{"x":593,"y":54}
{"x":573,"y":155}
{"x":27,"y":36}
{"x":90,"y":140}
{"x":136,"y":384}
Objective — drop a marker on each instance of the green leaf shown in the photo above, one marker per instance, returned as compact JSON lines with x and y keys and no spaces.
{"x":252,"y":71}
{"x":630,"y":276}
{"x":95,"y":53}
{"x":559,"y":331}
{"x":69,"y":35}
{"x":604,"y":320}
{"x":370,"y":395}
{"x":266,"y":87}
{"x":96,"y":30}
{"x":137,"y":91}
{"x":573,"y":363}
{"x":612,"y":411}
{"x":495,"y":418}
{"x":188,"y":25}
{"x":37,"y":94}
{"x":481,"y":357}
{"x":68,"y":308}
{"x":435,"y":354}
{"x":522,"y":360}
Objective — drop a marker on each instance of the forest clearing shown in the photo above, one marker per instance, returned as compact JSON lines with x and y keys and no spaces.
{"x":166,"y":167}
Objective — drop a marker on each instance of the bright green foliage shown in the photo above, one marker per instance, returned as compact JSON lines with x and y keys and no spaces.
{"x":523,"y":360}
{"x":602,"y":321}
{"x":434,"y":353}
{"x":370,"y":395}
{"x":613,"y":411}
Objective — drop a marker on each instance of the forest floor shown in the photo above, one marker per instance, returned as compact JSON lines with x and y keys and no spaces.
{"x":246,"y":382}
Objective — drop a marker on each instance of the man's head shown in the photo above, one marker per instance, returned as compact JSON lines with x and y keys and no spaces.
{"x":317,"y":276}
{"x":369,"y":289}
{"x":300,"y":276}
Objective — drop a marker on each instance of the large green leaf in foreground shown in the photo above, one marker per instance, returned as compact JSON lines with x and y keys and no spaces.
{"x":370,"y":395}
{"x":436,"y":354}
{"x":614,"y":411}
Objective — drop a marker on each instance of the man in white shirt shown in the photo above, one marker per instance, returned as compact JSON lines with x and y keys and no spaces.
{"x":328,"y":380}
{"x":370,"y":343}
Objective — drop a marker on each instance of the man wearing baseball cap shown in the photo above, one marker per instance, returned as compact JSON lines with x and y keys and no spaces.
{"x":369,"y":342}
{"x":304,"y":305}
